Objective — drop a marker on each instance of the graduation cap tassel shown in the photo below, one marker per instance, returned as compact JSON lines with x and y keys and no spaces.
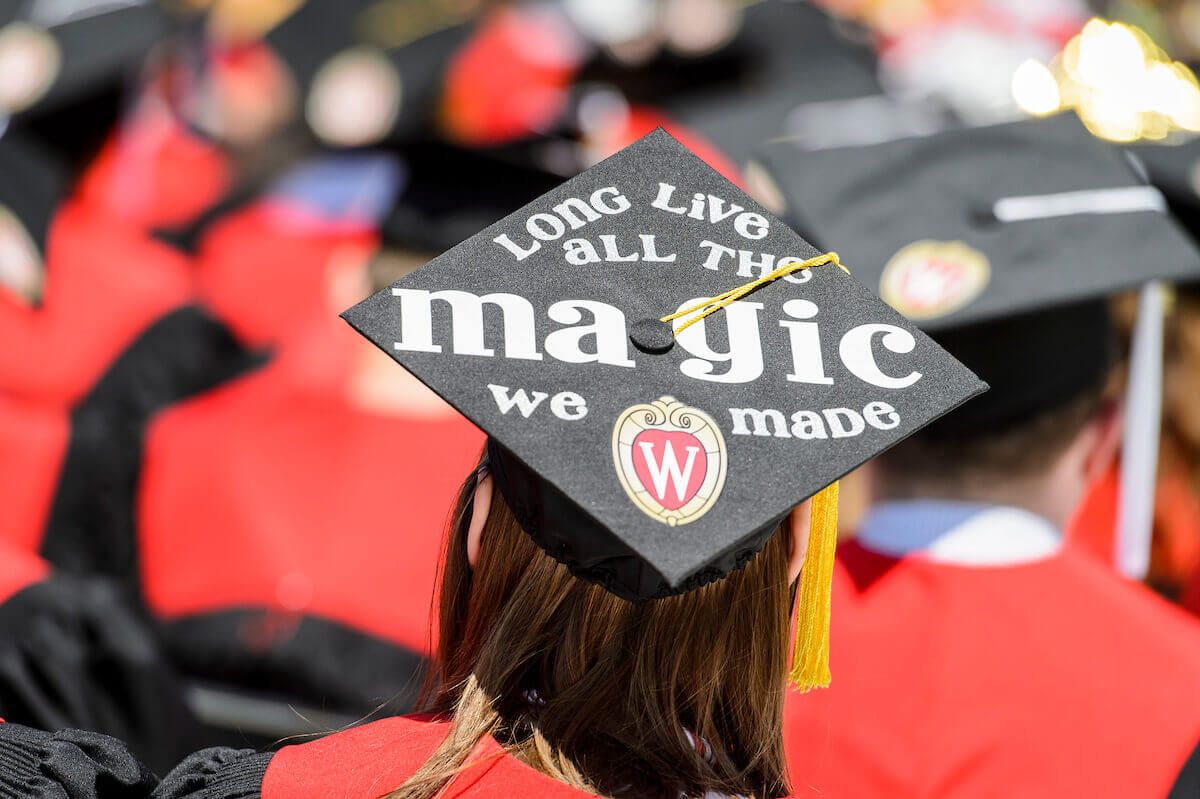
{"x":714,"y":304}
{"x":810,"y":652}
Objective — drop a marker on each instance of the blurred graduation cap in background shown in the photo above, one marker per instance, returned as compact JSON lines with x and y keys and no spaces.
{"x":380,"y":77}
{"x":1005,"y":243}
{"x":66,"y":64}
{"x":53,"y":53}
{"x":1174,"y":167}
{"x":33,"y":185}
{"x":776,"y":56}
{"x":793,"y":54}
{"x":451,"y":193}
{"x":358,"y":72}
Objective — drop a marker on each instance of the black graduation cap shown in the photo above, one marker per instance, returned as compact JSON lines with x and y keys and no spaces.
{"x":312,"y":32}
{"x":1174,"y":167}
{"x":55,"y":53}
{"x":32,"y":185}
{"x":1004,"y":242}
{"x":451,"y":193}
{"x":650,"y":464}
{"x":788,"y":54}
{"x":370,"y":70}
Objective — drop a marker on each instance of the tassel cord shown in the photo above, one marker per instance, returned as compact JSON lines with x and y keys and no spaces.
{"x":810,"y":649}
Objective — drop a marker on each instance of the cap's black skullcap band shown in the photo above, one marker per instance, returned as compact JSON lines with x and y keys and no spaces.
{"x":1034,"y":362}
{"x":557,"y":525}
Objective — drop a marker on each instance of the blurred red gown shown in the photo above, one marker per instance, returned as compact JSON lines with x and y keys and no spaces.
{"x":105,"y":285}
{"x":289,"y":540}
{"x":938,"y":670}
{"x":33,"y":443}
{"x":153,"y":172}
{"x":364,"y":762}
{"x":277,"y":247}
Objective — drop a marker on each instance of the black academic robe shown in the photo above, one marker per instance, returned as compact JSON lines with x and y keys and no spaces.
{"x":73,"y":652}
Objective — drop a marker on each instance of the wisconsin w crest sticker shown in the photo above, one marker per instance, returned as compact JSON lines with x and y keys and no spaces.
{"x":670,"y":459}
{"x":927,"y":278}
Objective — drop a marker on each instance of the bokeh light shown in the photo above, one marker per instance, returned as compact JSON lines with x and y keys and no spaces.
{"x":1120,"y":83}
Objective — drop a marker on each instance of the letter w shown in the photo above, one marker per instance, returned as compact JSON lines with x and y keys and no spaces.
{"x":520,"y":399}
{"x":668,"y":467}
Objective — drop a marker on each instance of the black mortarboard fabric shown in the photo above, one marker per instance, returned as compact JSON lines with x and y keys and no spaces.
{"x":1003,"y":242}
{"x":32,"y":185}
{"x":67,"y":51}
{"x":313,"y":32}
{"x":650,"y":464}
{"x":370,"y":70}
{"x":1175,"y":169}
{"x":67,"y":65}
{"x":787,"y":54}
{"x":452,"y":193}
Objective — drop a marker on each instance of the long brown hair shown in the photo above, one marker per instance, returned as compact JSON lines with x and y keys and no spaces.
{"x":617,"y":682}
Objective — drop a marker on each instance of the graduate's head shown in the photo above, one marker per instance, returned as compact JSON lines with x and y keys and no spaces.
{"x":576,"y":679}
{"x":1047,"y":429}
{"x":630,"y":556}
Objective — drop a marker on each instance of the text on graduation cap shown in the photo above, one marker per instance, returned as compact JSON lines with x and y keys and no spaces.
{"x":575,"y":212}
{"x":610,"y":201}
{"x":589,"y":331}
{"x":609,"y":337}
{"x":608,"y":332}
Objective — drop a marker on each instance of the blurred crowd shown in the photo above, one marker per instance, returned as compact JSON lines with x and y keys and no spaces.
{"x":221,"y":509}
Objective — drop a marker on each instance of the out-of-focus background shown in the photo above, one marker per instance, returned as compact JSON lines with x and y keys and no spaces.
{"x":221,"y":511}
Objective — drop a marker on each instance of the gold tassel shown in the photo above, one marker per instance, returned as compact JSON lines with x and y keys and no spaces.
{"x":710,"y":306}
{"x":810,"y":652}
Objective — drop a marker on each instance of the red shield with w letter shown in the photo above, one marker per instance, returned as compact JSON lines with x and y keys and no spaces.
{"x":670,"y":459}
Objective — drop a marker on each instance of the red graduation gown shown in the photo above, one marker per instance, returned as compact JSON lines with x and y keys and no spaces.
{"x":153,"y":172}
{"x":105,"y":283}
{"x":268,"y":249}
{"x":368,"y":761}
{"x":33,"y":443}
{"x":270,"y":493}
{"x":1047,"y":679}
